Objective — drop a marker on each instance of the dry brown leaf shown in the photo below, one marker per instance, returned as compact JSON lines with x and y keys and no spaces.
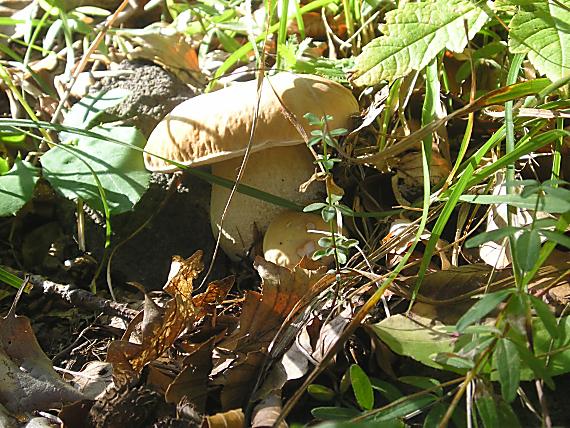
{"x":165,"y":46}
{"x":27,"y":378}
{"x":192,"y":381}
{"x":267,"y":411}
{"x":263,"y":315}
{"x":213,"y":296}
{"x":161,"y":327}
{"x":240,"y":379}
{"x":229,"y":419}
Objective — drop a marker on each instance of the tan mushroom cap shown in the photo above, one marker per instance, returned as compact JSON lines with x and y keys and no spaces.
{"x":288,"y":239}
{"x":216,"y":126}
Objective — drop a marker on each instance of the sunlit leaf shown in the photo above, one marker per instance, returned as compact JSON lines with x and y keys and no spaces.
{"x":414,"y":34}
{"x":17,"y":187}
{"x":85,"y":112}
{"x":541,"y":29}
{"x":362,"y":387}
{"x":120,"y":169}
{"x":549,"y":205}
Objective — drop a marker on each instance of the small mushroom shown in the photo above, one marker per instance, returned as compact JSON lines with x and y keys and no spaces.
{"x":288,"y":238}
{"x":213,"y":129}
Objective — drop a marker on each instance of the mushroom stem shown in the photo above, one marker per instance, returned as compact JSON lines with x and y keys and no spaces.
{"x":279,"y":171}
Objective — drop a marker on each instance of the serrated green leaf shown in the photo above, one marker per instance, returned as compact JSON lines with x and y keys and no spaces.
{"x":481,"y":309}
{"x":414,"y":34}
{"x":120,"y":169}
{"x":507,"y":361}
{"x":361,"y":387}
{"x":17,"y":187}
{"x":541,"y":29}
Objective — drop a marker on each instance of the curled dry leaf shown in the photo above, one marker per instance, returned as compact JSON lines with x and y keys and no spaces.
{"x":229,"y":419}
{"x":161,"y":327}
{"x":262,"y":318}
{"x":27,"y":378}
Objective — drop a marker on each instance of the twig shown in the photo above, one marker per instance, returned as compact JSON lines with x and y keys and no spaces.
{"x":80,"y":298}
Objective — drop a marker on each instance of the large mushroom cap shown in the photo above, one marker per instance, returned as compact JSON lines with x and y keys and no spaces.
{"x":216,"y":126}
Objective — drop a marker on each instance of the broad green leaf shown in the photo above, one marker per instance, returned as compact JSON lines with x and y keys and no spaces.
{"x":548,"y":204}
{"x":481,"y":309}
{"x":414,"y":34}
{"x":417,"y":338}
{"x":527,"y":249}
{"x":541,"y":29}
{"x":119,"y":168}
{"x":454,"y":360}
{"x":422,"y":339}
{"x":537,"y":366}
{"x":334,"y":413}
{"x":507,"y":361}
{"x":17,"y":187}
{"x":84,"y":113}
{"x":361,"y":387}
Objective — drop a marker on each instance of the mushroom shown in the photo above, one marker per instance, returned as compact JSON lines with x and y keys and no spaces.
{"x":288,"y":238}
{"x":213,"y":129}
